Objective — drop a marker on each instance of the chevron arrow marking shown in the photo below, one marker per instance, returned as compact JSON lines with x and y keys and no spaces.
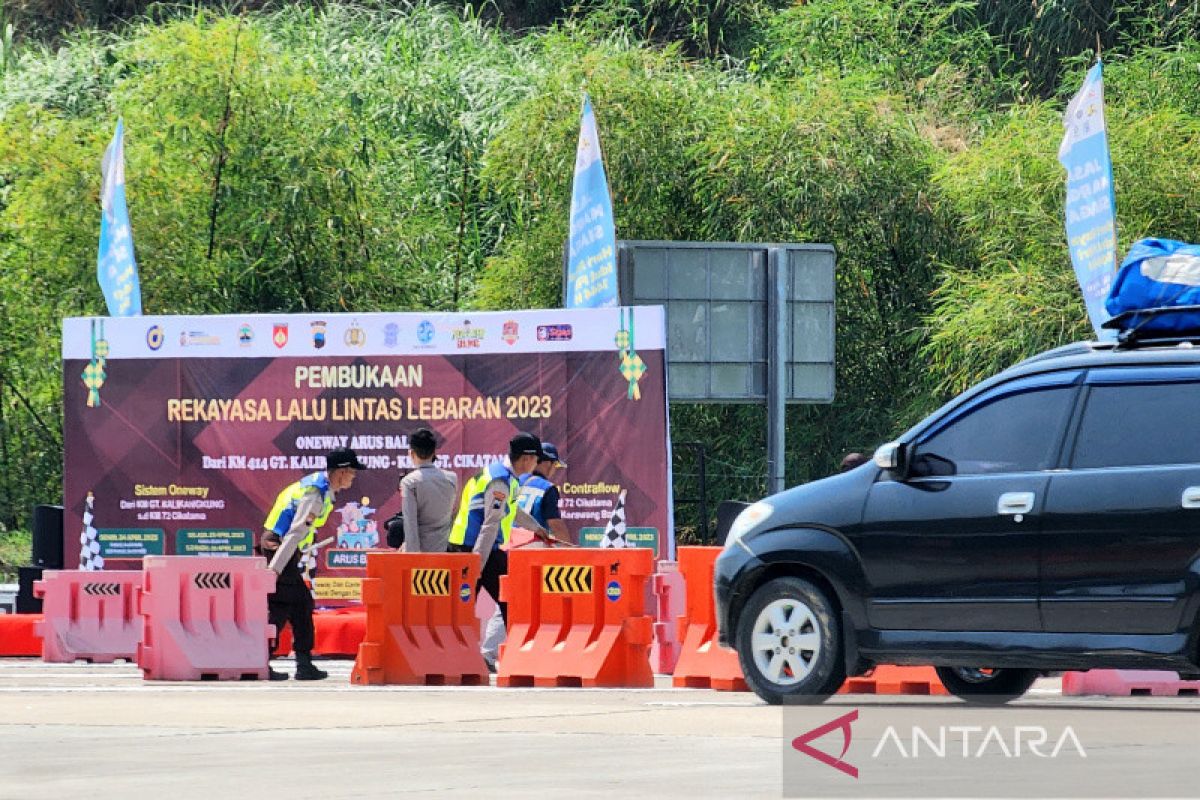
{"x":431,"y":582}
{"x":567,"y":579}
{"x":212,"y":580}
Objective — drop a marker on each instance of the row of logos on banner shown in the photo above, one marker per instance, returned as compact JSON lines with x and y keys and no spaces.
{"x":370,"y":333}
{"x":464,"y":336}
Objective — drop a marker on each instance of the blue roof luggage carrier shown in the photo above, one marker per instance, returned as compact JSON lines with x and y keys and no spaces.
{"x":1163,"y":326}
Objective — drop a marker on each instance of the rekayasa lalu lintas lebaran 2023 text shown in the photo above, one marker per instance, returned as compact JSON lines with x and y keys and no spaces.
{"x":358,"y":409}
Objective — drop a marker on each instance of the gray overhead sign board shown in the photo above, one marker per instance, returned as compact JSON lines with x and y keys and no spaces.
{"x":737,"y":314}
{"x":746,"y":323}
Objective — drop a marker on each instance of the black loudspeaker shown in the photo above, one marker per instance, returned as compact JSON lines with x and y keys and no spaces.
{"x":48,"y":537}
{"x":26,"y":602}
{"x":727,"y":512}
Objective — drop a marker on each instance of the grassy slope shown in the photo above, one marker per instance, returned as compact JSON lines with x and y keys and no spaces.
{"x":15,"y":551}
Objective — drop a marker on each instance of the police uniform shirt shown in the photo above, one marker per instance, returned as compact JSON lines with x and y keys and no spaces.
{"x":550,"y":504}
{"x":307,"y":508}
{"x":427,"y":496}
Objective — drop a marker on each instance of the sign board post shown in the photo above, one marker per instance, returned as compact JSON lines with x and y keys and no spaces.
{"x":746,"y":323}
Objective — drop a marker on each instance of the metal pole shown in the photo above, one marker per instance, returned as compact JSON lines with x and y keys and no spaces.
{"x":702,"y":464}
{"x":776,"y":366}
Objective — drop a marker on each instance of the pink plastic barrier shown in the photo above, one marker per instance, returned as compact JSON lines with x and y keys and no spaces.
{"x":205,"y":618}
{"x":1127,"y":682}
{"x":88,"y":615}
{"x":665,"y":603}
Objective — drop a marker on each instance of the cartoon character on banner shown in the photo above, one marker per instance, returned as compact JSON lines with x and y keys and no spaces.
{"x":358,"y":531}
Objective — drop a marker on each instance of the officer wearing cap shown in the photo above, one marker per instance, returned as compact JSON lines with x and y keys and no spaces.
{"x":487,"y":509}
{"x":299,"y":511}
{"x":427,"y":495}
{"x":539,"y":494}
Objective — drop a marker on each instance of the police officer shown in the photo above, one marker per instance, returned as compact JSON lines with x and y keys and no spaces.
{"x":299,"y":511}
{"x":486,"y":511}
{"x":539,"y":494}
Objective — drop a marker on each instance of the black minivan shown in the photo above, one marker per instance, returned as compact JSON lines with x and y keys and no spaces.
{"x":1047,"y":519}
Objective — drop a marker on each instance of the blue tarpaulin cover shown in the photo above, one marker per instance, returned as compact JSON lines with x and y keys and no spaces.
{"x":1158,"y":273}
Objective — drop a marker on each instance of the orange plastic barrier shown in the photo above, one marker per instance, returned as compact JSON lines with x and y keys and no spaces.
{"x":88,"y":615}
{"x":205,"y":618}
{"x":895,"y":680}
{"x":665,"y":602}
{"x":421,"y":624}
{"x":703,"y":663}
{"x":577,"y":617}
{"x":17,"y":636}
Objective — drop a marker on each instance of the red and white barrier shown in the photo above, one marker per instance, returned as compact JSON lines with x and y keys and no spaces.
{"x":205,"y":618}
{"x":665,"y":602}
{"x":1127,"y":683}
{"x":88,"y":615}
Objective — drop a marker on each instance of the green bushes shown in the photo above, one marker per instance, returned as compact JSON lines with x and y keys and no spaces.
{"x":413,"y":156}
{"x":296,"y":161}
{"x":1012,"y":292}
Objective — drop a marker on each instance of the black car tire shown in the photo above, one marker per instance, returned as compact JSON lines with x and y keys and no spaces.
{"x":810,"y":642}
{"x":987,"y":687}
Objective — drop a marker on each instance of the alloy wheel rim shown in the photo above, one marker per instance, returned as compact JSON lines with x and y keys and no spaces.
{"x":976,"y":674}
{"x":786,"y":641}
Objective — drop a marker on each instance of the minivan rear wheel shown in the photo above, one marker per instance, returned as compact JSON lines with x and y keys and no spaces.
{"x":789,"y":643}
{"x":987,"y":686}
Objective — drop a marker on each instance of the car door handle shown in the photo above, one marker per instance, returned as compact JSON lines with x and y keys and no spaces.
{"x":1016,"y":503}
{"x":1191,"y":497}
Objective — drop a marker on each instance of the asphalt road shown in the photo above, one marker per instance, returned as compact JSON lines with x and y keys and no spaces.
{"x":101,"y":731}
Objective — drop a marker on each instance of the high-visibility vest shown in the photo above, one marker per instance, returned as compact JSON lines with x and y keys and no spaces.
{"x":533,"y":491}
{"x":469,"y":519}
{"x":284,"y":511}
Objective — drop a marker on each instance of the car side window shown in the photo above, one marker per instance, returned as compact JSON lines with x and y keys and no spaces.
{"x":1127,"y":425}
{"x":1013,"y":433}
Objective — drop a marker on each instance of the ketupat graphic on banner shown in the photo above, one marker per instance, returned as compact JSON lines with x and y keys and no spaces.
{"x":201,"y":418}
{"x":93,"y":373}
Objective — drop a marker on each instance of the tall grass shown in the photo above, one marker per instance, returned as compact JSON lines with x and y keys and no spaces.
{"x":380,"y":155}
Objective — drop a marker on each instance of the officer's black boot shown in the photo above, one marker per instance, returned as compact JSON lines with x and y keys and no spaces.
{"x":305,"y":671}
{"x":273,"y":674}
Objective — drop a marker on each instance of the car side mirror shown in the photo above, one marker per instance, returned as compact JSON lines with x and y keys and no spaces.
{"x":893,"y":457}
{"x":931,"y":465}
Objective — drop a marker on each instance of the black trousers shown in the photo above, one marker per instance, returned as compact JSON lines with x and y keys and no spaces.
{"x":293,"y":603}
{"x":489,"y":579}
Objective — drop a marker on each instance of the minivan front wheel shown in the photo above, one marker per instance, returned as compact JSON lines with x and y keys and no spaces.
{"x":987,"y":686}
{"x":789,"y":643}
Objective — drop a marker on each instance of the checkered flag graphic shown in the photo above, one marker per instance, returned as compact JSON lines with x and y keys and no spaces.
{"x":614,"y":532}
{"x":89,"y":548}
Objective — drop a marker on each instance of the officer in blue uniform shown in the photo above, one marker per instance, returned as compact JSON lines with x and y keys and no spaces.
{"x":539,"y":494}
{"x":487,"y":510}
{"x":299,"y":511}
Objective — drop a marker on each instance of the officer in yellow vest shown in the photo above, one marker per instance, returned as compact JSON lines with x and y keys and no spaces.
{"x":299,"y":510}
{"x":487,"y":509}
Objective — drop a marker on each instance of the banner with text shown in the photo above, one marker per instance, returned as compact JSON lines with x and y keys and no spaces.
{"x":1091,"y":206}
{"x":181,"y":431}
